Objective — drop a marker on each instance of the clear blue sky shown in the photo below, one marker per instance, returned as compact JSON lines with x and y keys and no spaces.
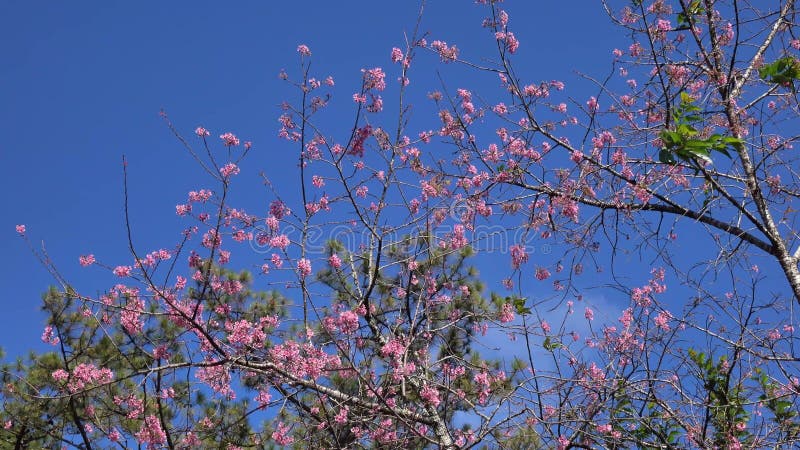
{"x":81,"y":84}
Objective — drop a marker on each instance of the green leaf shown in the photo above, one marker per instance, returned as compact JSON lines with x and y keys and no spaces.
{"x":782,"y":71}
{"x":686,"y":130}
{"x":519,"y":304}
{"x":551,"y":345}
{"x":670,"y":138}
{"x":665,"y":156}
{"x":730,"y":140}
{"x":682,"y":142}
{"x":700,"y":153}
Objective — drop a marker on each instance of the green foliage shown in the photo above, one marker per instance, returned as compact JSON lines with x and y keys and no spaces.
{"x":725,"y":402}
{"x":684,"y":17}
{"x":550,"y":344}
{"x":519,"y":305}
{"x":683,"y":142}
{"x":784,"y":412}
{"x":784,"y":71}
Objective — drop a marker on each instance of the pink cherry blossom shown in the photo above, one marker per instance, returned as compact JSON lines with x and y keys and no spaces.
{"x":397,"y":55}
{"x":122,"y":271}
{"x":86,"y":260}
{"x":229,"y":139}
{"x":303,"y":50}
{"x":304,"y":267}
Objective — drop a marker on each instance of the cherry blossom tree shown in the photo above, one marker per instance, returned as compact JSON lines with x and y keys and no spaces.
{"x":660,"y":315}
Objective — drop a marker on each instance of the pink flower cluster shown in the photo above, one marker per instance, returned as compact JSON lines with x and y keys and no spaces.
{"x":457,"y":239}
{"x":83,"y":375}
{"x":281,"y":435}
{"x":229,"y":139}
{"x":512,"y":44}
{"x":304,"y":267}
{"x":229,"y":169}
{"x":447,"y":53}
{"x":357,"y":148}
{"x":507,"y":313}
{"x":49,"y":337}
{"x":151,"y":433}
{"x":518,"y":255}
{"x":303,"y":361}
{"x":217,"y":378}
{"x":122,"y":271}
{"x":86,"y":260}
{"x":374,"y":79}
{"x":397,"y":55}
{"x":244,"y":333}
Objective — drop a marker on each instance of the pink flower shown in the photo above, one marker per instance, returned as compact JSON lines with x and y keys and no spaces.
{"x":635,"y":49}
{"x":662,"y":320}
{"x":774,"y":334}
{"x":229,"y":169}
{"x":280,"y":241}
{"x":201,"y":132}
{"x":446,"y":53}
{"x":592,"y":104}
{"x":335,"y":261}
{"x":348,"y":322}
{"x":341,"y":416}
{"x":431,"y":395}
{"x":507,"y":313}
{"x":182,"y":210}
{"x":151,"y":433}
{"x":589,"y":314}
{"x":303,"y":50}
{"x":518,"y":256}
{"x":512,"y":44}
{"x":397,"y":55}
{"x":60,"y":375}
{"x":229,"y":139}
{"x":263,"y":398}
{"x":21,"y":229}
{"x":458,"y":240}
{"x":122,"y":271}
{"x":49,"y":337}
{"x":542,"y":273}
{"x":603,"y":428}
{"x":374,"y":79}
{"x":86,"y":260}
{"x":276,"y":260}
{"x":304,"y":267}
{"x":280,"y":435}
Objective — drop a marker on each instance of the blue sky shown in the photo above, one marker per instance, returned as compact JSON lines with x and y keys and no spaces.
{"x":82,"y":84}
